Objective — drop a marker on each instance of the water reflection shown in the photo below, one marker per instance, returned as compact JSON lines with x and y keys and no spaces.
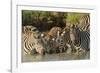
{"x":55,"y":57}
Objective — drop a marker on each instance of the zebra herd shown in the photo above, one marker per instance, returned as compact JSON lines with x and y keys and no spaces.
{"x":57,"y":40}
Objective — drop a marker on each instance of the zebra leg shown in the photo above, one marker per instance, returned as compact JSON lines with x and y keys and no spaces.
{"x":73,"y":48}
{"x":43,"y":52}
{"x":47,"y":51}
{"x":57,"y":50}
{"x":63,"y":49}
{"x":50,"y":51}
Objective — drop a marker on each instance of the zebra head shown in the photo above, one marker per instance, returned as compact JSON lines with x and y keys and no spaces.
{"x":74,"y":34}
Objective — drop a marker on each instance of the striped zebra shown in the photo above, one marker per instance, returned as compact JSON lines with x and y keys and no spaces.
{"x":30,"y":41}
{"x":59,"y":42}
{"x":49,"y":43}
{"x":81,"y":37}
{"x":46,"y":42}
{"x":54,"y":32}
{"x":66,"y":35}
{"x":68,"y":38}
{"x":62,"y":45}
{"x":85,"y":22}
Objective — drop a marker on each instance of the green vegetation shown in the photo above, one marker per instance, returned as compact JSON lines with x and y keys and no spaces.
{"x":46,"y":19}
{"x":73,"y":18}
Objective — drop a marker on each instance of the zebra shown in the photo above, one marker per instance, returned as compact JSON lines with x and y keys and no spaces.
{"x":30,"y":41}
{"x":81,"y":37}
{"x":53,"y":32}
{"x":45,"y":40}
{"x":49,"y":39}
{"x":68,"y":37}
{"x":49,"y":44}
{"x":28,"y":28}
{"x":84,"y":23}
{"x":54,"y":44}
{"x":59,"y":43}
{"x":62,"y":45}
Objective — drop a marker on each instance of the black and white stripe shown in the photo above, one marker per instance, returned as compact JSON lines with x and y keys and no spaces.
{"x":84,"y":38}
{"x":85,"y":23}
{"x":30,"y":41}
{"x":27,"y":43}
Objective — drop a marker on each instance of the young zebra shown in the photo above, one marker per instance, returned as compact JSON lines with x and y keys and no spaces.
{"x":82,"y":37}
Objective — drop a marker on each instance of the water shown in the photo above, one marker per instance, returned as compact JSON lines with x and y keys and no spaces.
{"x":55,"y":57}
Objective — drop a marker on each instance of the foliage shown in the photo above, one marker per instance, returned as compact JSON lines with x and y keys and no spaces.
{"x":47,"y":19}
